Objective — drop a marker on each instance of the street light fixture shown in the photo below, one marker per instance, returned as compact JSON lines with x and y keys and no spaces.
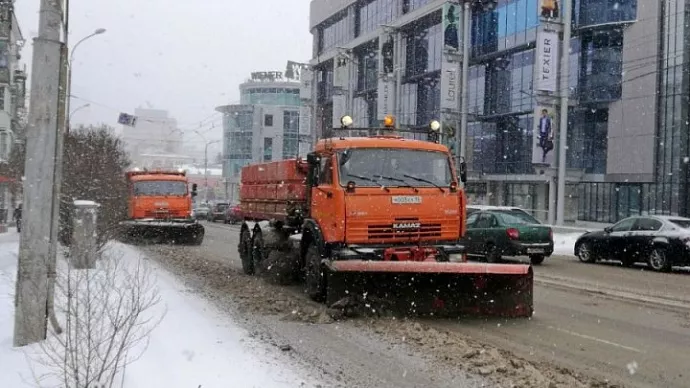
{"x":98,"y":31}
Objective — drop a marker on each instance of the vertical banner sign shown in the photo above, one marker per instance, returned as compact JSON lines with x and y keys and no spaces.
{"x":450,"y":80}
{"x":451,"y":30}
{"x":386,"y":81}
{"x":544,"y":130}
{"x":547,"y":61}
{"x":340,"y":79}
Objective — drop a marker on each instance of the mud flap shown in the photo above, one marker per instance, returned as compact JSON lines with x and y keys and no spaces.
{"x":433,"y":288}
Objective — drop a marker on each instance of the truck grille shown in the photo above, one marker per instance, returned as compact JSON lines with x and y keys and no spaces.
{"x":404,"y":228}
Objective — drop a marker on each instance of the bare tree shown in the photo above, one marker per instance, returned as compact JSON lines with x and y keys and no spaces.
{"x":109,"y":314}
{"x":95,"y":163}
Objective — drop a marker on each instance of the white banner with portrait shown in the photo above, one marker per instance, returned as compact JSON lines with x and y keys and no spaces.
{"x":386,"y":76}
{"x":543,"y":142}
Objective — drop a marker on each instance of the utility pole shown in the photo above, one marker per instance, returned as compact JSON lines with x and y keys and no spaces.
{"x":461,"y":138}
{"x":563,"y":126}
{"x":32,"y":288}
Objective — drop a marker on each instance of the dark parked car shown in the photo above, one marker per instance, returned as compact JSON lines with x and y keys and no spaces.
{"x":507,"y":232}
{"x":659,"y":241}
{"x":218,"y":211}
{"x":233,"y":215}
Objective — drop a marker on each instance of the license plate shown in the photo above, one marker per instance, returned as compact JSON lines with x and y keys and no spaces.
{"x":406,"y":199}
{"x":535,"y":250}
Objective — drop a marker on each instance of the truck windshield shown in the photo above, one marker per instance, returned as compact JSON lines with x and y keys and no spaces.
{"x":160,"y":188}
{"x":394,"y":167}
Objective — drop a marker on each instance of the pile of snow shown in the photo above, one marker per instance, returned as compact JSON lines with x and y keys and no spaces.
{"x":564,"y":243}
{"x":193,"y":345}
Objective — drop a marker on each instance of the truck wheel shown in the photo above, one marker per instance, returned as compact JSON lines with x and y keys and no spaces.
{"x":314,"y":279}
{"x":258,"y":252}
{"x":198,"y":238}
{"x":245,"y":252}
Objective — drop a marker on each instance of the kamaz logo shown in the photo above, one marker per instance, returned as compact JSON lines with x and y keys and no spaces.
{"x":407,"y":225}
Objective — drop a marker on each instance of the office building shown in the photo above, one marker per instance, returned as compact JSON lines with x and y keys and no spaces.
{"x":271,"y":122}
{"x":628,"y":146}
{"x":12,"y":99}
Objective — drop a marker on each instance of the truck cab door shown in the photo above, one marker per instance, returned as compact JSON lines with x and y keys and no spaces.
{"x":324,"y":208}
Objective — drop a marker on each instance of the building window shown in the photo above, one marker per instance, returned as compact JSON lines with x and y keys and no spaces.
{"x":2,"y":98}
{"x":268,"y":120}
{"x":372,"y":14}
{"x":3,"y":144}
{"x":423,"y":46}
{"x":601,"y":66}
{"x":268,"y":149}
{"x":324,"y":79}
{"x":594,"y":12}
{"x":367,"y":67}
{"x":335,"y":32}
{"x":512,"y":23}
{"x":290,"y":134}
{"x":411,"y":5}
{"x":501,"y":146}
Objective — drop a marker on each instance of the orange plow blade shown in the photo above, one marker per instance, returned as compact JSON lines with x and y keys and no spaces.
{"x":434,"y":288}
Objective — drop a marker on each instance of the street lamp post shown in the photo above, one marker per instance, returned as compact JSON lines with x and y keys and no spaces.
{"x":69,"y":118}
{"x":98,"y":31}
{"x":207,"y":143}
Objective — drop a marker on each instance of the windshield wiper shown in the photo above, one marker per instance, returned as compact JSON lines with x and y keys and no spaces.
{"x":364,"y":178}
{"x":393,"y":179}
{"x":425,"y":181}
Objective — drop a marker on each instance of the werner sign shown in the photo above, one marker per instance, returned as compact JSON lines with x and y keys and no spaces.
{"x":547,"y":61}
{"x":267,"y":76}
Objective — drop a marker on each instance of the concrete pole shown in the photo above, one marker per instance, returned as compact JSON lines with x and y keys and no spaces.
{"x":563,"y":126}
{"x":461,"y":133}
{"x":31,"y":295}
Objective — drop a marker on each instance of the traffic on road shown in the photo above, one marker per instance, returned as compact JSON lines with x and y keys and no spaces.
{"x":372,"y":227}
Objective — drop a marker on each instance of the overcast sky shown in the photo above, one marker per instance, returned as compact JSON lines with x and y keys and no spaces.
{"x":183,"y":56}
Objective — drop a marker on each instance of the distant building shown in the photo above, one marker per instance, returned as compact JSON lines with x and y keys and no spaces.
{"x":270,"y":123}
{"x":155,"y":133}
{"x":12,"y":96}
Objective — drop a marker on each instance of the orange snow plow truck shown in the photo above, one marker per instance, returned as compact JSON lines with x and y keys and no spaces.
{"x":370,"y":220}
{"x":160,"y":208}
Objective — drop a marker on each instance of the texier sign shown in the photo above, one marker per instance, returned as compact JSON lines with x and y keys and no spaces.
{"x":547,"y":61}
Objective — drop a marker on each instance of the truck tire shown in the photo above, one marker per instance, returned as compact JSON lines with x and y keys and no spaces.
{"x":245,"y":250}
{"x":258,"y":252}
{"x":314,"y":279}
{"x":198,"y":238}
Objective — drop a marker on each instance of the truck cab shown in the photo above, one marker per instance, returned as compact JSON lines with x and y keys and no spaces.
{"x":371,"y":193}
{"x":160,"y":195}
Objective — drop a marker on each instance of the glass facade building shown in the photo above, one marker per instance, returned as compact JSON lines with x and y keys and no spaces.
{"x":265,"y":126}
{"x":621,"y":53}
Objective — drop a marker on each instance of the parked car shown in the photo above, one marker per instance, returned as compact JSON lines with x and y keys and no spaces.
{"x":476,"y":208}
{"x":218,"y":211}
{"x":233,"y":215}
{"x":201,"y":212}
{"x":660,"y":241}
{"x":496,"y":233}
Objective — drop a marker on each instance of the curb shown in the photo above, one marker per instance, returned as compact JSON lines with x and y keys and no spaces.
{"x":667,"y":303}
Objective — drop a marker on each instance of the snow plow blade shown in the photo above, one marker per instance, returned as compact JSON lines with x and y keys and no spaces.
{"x":163,"y":232}
{"x":441,"y":289}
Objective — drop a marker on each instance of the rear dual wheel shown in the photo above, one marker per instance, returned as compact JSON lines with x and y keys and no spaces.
{"x":314,"y":276}
{"x":245,"y":251}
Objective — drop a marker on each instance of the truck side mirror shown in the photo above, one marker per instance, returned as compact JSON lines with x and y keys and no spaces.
{"x":194,"y":193}
{"x":313,"y":159}
{"x":463,"y":171}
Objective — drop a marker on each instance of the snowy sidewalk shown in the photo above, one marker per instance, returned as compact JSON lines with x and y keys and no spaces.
{"x":195,"y":345}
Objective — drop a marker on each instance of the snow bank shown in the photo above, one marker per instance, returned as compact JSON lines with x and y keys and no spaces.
{"x":194,"y":344}
{"x":564,"y":243}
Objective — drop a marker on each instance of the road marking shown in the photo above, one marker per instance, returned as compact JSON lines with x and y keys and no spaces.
{"x":595,"y":339}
